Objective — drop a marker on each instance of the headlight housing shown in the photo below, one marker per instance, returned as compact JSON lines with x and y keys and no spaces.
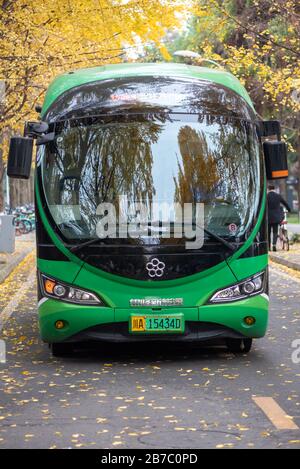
{"x":58,"y":290}
{"x":252,"y":286}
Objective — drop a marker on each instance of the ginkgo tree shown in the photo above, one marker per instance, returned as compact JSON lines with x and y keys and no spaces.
{"x":39,"y":40}
{"x":259,"y":42}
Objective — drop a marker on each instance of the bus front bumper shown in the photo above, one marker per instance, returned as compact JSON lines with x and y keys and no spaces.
{"x":203,"y":323}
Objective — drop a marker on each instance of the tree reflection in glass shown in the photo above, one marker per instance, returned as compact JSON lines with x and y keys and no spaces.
{"x":165,"y":158}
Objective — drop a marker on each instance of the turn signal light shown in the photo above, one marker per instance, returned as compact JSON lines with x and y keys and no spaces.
{"x":59,"y":324}
{"x":250,"y":320}
{"x":49,"y":286}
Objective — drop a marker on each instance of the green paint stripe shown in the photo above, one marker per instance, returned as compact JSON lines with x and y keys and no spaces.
{"x":256,"y":229}
{"x":50,"y":231}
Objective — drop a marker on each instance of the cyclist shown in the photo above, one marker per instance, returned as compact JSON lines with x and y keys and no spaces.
{"x":275,"y":214}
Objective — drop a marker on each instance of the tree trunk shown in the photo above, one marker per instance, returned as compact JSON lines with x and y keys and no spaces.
{"x":12,"y":193}
{"x":283,"y":188}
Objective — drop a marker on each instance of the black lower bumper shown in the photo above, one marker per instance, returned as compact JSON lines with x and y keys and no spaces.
{"x":118,"y":332}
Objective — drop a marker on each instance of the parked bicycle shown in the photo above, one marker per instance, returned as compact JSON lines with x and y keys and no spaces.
{"x":24,"y":219}
{"x":23,"y":226}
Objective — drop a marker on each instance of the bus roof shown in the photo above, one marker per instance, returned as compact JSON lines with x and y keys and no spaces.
{"x":83,"y":76}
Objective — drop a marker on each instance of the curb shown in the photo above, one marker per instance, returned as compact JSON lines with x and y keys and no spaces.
{"x":8,"y":269}
{"x":285,"y":262}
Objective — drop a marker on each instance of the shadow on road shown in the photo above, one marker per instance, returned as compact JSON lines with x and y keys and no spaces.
{"x":150,"y":352}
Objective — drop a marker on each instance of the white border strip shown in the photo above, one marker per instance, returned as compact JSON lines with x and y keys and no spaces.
{"x":42,"y":301}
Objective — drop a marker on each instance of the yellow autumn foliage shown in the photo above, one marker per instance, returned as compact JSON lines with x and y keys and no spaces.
{"x":269,"y":63}
{"x":39,"y":40}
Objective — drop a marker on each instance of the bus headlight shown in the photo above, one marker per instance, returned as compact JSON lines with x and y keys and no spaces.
{"x":250,"y":287}
{"x":61,"y":291}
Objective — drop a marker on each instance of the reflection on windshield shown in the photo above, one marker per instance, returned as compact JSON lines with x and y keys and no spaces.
{"x":168,"y":159}
{"x":181,"y":95}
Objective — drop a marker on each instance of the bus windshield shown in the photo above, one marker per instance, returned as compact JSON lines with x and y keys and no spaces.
{"x":158,"y":158}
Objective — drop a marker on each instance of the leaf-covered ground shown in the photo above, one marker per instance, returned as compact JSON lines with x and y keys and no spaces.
{"x":147,"y":397}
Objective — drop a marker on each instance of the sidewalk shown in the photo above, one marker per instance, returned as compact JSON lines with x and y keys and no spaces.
{"x":293,"y":228}
{"x":289,"y":258}
{"x":8,"y":262}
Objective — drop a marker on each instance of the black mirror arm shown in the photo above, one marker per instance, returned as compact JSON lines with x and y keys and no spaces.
{"x":269,"y":129}
{"x":39,"y":131}
{"x":45,"y":139}
{"x":35,"y":129}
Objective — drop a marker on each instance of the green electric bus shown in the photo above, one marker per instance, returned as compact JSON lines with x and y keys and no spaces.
{"x":150,"y":135}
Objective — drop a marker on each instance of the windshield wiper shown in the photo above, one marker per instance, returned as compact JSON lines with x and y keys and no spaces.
{"x":223,"y":241}
{"x":226,"y":243}
{"x":80,"y":246}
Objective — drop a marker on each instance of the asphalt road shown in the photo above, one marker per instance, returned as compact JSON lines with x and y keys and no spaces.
{"x":148,"y":397}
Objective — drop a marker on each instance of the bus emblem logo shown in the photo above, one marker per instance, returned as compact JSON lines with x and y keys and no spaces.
{"x":155,"y":268}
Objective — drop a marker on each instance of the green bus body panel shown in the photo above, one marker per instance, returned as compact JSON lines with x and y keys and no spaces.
{"x":118,"y":294}
{"x":79,"y":318}
{"x":232,"y":315}
{"x":64,"y":271}
{"x":244,"y":268}
{"x":71,"y":80}
{"x":194,"y":292}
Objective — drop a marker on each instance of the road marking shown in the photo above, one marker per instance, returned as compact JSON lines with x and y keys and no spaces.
{"x":16,"y":299}
{"x":275,"y":413}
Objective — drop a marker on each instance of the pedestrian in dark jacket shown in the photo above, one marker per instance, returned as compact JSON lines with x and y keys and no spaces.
{"x":276,"y":214}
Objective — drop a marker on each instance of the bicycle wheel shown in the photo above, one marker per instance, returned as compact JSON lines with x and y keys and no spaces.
{"x":286,"y":241}
{"x":280,"y":241}
{"x":24,"y":226}
{"x":28,"y":225}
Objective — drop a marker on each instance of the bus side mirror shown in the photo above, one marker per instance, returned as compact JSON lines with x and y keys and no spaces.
{"x":20,"y":157}
{"x":276,"y":159}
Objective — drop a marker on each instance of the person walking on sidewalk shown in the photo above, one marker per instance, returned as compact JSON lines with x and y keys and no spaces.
{"x":275,"y":214}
